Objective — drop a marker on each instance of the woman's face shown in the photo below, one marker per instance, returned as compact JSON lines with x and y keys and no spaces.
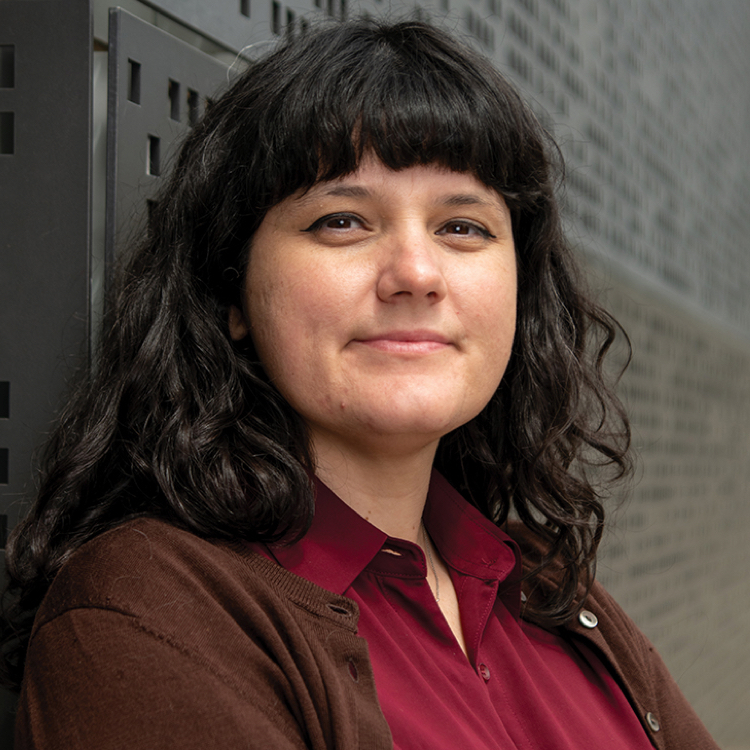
{"x":383,"y":304}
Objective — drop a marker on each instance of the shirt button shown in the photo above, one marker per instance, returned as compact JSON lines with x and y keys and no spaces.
{"x":588,"y":619}
{"x":484,"y":672}
{"x":653,"y":722}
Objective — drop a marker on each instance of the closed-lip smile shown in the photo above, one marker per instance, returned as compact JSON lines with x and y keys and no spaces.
{"x":406,"y":341}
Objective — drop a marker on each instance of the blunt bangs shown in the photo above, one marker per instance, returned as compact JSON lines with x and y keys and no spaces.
{"x":311,"y":109}
{"x":407,"y":93}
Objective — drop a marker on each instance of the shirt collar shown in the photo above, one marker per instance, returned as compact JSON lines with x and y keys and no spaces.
{"x":468,"y":541}
{"x":340,"y":544}
{"x":336,"y":549}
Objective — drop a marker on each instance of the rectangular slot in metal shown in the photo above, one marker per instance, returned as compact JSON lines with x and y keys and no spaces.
{"x":3,"y":531}
{"x":245,"y":8}
{"x":7,"y":66}
{"x":275,"y":17}
{"x":153,"y":162}
{"x":7,"y":133}
{"x":4,"y":399}
{"x":134,"y":81}
{"x":174,"y":100}
{"x":4,"y":465}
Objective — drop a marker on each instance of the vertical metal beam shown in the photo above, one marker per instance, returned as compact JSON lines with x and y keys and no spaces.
{"x":44,"y":222}
{"x":45,"y":98}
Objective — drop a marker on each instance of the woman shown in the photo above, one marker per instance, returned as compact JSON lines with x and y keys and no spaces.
{"x":350,"y":351}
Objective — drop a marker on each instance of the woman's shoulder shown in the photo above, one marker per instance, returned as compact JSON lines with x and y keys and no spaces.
{"x":152,"y":570}
{"x":138,"y":565}
{"x":149,"y":620}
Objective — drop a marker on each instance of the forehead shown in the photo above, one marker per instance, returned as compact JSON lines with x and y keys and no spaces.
{"x":373,"y":179}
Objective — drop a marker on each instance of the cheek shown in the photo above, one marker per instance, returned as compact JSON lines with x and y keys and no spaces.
{"x":288,"y":312}
{"x":305,"y":296}
{"x":266,"y":309}
{"x":488,"y":307}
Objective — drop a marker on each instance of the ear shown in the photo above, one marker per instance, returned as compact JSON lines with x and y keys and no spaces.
{"x":238,"y":328}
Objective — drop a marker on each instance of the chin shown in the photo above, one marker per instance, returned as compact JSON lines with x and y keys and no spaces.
{"x":419,"y":424}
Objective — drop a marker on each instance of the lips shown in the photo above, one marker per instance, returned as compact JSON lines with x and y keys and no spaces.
{"x":413,"y":336}
{"x":413,"y":341}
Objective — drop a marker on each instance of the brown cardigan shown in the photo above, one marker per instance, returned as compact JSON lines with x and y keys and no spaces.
{"x":152,"y":638}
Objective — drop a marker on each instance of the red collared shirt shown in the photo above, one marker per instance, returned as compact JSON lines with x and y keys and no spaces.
{"x":520,"y":687}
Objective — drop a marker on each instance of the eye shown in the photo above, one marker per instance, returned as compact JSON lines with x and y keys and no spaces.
{"x":463,"y":228}
{"x":335,"y":222}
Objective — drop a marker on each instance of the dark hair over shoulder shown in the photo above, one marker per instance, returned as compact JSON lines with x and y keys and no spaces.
{"x":177,"y":421}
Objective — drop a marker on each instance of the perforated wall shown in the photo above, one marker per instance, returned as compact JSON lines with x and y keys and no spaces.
{"x":651,"y":103}
{"x":677,"y":553}
{"x":158,"y":87}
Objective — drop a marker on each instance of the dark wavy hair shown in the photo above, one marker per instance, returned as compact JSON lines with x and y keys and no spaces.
{"x":176,"y":420}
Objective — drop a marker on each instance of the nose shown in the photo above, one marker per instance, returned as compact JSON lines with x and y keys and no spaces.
{"x":412,"y":268}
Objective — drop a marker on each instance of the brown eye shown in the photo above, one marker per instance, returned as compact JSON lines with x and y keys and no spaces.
{"x":465,"y":229}
{"x":459,"y":229}
{"x":339,"y":222}
{"x":336,"y":222}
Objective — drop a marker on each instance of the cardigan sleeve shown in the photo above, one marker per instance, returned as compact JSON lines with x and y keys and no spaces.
{"x":98,"y":679}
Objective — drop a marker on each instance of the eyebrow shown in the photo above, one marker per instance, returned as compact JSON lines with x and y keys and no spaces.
{"x":459,"y":199}
{"x":347,"y":191}
{"x":467,"y":199}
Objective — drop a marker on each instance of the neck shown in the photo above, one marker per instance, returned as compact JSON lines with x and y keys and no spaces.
{"x":388,"y":490}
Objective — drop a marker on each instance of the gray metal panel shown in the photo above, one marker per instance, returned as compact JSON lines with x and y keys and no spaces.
{"x":235,"y":23}
{"x":44,"y":234}
{"x":44,"y":222}
{"x":163,"y":75}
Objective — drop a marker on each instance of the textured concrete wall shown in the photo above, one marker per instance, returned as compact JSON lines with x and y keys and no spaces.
{"x":651,"y":103}
{"x":678,"y":551}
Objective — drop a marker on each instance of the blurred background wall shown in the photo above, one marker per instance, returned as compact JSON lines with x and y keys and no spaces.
{"x":650,"y":101}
